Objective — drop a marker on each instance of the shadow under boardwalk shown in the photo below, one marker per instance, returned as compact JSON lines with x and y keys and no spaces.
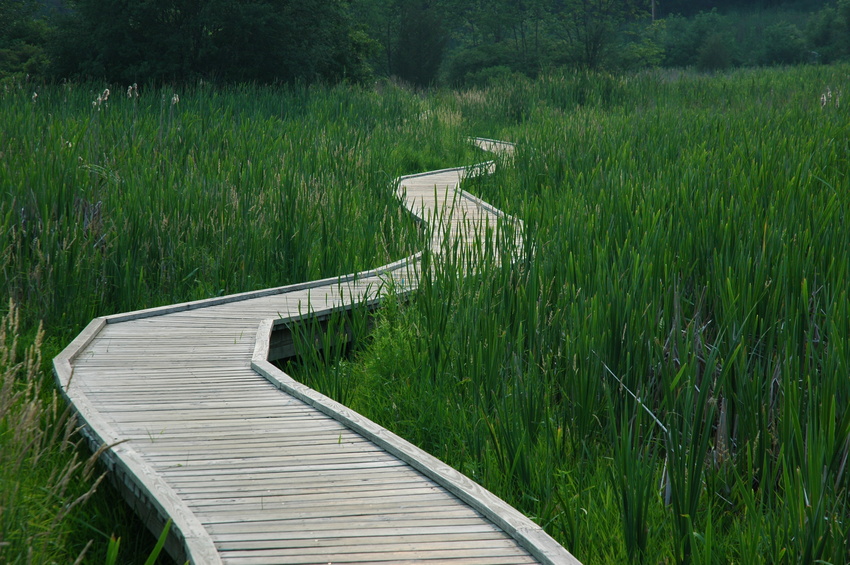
{"x":255,"y":468}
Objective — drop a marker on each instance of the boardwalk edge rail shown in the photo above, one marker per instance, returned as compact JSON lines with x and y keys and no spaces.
{"x":527,"y":533}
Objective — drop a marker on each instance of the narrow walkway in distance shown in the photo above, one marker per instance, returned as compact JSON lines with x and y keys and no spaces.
{"x":255,"y":468}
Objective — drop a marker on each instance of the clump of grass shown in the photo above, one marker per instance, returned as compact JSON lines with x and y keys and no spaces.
{"x":43,"y":477}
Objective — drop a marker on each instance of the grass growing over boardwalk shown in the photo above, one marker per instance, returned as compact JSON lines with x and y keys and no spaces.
{"x":662,"y":377}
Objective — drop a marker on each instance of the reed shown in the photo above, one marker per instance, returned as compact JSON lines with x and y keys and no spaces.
{"x":669,"y":354}
{"x":118,"y":202}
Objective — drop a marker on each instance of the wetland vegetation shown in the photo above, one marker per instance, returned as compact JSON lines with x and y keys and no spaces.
{"x":660,"y":377}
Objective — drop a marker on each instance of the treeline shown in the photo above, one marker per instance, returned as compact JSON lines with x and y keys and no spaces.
{"x":423,"y":42}
{"x":154,"y":41}
{"x":474,"y":42}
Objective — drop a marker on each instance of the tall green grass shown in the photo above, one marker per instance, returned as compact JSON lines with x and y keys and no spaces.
{"x":131,"y":201}
{"x":662,"y":375}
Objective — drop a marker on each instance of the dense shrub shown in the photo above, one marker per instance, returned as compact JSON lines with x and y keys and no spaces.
{"x":828,"y":33}
{"x":715,"y":53}
{"x":643,"y":46}
{"x":704,"y":41}
{"x":478,"y":64}
{"x":22,"y":40}
{"x":783,"y":43}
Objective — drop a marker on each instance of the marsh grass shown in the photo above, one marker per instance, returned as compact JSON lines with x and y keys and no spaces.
{"x":662,"y":376}
{"x":126,"y":202}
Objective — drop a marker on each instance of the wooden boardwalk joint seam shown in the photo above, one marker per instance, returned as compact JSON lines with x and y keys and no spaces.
{"x":256,"y":468}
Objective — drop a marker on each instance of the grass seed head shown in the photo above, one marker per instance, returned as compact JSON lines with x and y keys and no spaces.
{"x":101,"y":99}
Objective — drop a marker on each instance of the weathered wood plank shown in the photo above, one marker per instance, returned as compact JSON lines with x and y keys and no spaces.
{"x":240,"y":559}
{"x":273,"y":484}
{"x":479,"y":547}
{"x":341,"y":488}
{"x":366,"y":525}
{"x":410,"y":541}
{"x":378,"y":553}
{"x":342,"y":515}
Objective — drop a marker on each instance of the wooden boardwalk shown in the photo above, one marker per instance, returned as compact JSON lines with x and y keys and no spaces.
{"x":255,"y":468}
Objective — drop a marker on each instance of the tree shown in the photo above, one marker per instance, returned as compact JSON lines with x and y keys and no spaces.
{"x":500,"y":38}
{"x":421,"y":43}
{"x":412,"y":35}
{"x":589,"y":28}
{"x":23,"y":36}
{"x":231,"y":40}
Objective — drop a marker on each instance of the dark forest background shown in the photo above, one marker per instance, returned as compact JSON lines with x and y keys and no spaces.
{"x":421,"y":42}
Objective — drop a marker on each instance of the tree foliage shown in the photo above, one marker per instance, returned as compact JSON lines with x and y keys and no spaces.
{"x":229,"y":40}
{"x":421,"y":43}
{"x":828,"y":32}
{"x":22,"y":38}
{"x":412,"y":34}
{"x":589,"y":27}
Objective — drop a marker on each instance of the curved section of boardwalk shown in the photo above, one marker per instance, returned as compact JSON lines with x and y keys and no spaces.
{"x":255,"y":468}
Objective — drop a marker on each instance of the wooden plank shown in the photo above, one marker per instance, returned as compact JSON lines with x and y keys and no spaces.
{"x":261,"y":463}
{"x":200,"y":406}
{"x":284,"y":523}
{"x":221,"y":456}
{"x":248,"y":446}
{"x":231,"y":533}
{"x":280,"y":472}
{"x":479,"y":546}
{"x":291,"y":477}
{"x":271,"y":529}
{"x":417,"y":540}
{"x":380,"y":554}
{"x":295,"y":491}
{"x":341,"y":514}
{"x":152,"y":434}
{"x":203,"y":415}
{"x":248,"y":443}
{"x":397,"y":496}
{"x":198,"y":385}
{"x":369,"y":526}
{"x":240,"y":559}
